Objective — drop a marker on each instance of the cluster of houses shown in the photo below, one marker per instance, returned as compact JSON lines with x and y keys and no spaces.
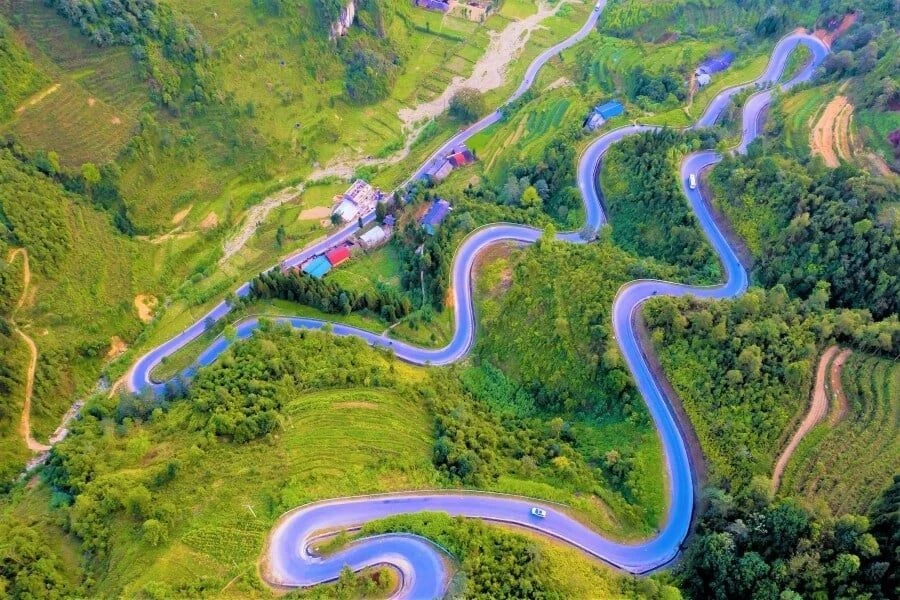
{"x":711,"y":66}
{"x":359,"y":199}
{"x":473,"y":10}
{"x":442,"y":166}
{"x":603,"y":113}
{"x":375,"y":236}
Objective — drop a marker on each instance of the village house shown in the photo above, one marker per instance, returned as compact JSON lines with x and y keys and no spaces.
{"x":473,"y":10}
{"x":359,"y":199}
{"x":317,"y":267}
{"x":435,"y":215}
{"x":602,"y":113}
{"x":374,"y":237}
{"x":711,"y":66}
{"x":442,"y":167}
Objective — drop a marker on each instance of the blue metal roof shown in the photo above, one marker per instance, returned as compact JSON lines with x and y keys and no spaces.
{"x":437,"y":212}
{"x":317,"y":267}
{"x":610,"y":109}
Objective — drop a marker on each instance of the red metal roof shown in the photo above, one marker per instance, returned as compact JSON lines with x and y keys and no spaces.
{"x":338,"y":255}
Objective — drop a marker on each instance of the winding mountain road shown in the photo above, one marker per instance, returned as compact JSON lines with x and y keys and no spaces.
{"x":288,"y":561}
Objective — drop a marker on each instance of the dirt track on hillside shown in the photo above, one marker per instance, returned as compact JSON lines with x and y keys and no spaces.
{"x":839,"y":410}
{"x":25,"y":419}
{"x":830,"y":135}
{"x":818,"y":408}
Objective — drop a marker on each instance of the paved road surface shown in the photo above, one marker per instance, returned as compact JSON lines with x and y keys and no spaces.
{"x":288,"y":560}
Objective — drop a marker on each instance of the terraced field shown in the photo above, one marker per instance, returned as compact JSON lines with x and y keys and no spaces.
{"x":847,"y":464}
{"x":88,"y":109}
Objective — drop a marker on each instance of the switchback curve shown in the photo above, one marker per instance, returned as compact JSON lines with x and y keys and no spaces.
{"x":288,"y":560}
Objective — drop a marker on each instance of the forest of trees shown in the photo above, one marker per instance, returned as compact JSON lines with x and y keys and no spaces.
{"x":547,"y":185}
{"x":496,"y":563}
{"x":742,"y":368}
{"x":645,"y":88}
{"x":748,"y":547}
{"x":869,"y":51}
{"x":18,"y":75}
{"x":98,"y":185}
{"x":809,"y":224}
{"x":329,"y":296}
{"x":31,"y":565}
{"x":647,"y":208}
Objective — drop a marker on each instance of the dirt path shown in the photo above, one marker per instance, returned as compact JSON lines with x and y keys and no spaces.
{"x":818,"y":408}
{"x":839,"y":410}
{"x":35,"y":99}
{"x":25,"y":419}
{"x":831,"y":132}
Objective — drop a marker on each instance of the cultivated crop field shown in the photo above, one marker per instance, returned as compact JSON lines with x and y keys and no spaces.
{"x":845,"y":465}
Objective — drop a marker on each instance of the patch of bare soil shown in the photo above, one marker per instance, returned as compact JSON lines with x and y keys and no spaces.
{"x":829,"y":36}
{"x":818,"y":407}
{"x":822,"y":141}
{"x":145,"y":305}
{"x":178,"y":217}
{"x":839,"y":410}
{"x":314,"y":214}
{"x":116,"y":347}
{"x":255,"y":216}
{"x":842,"y":125}
{"x":211,"y":221}
{"x":561,"y":82}
{"x":490,"y":71}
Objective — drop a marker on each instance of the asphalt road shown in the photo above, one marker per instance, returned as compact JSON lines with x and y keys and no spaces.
{"x":288,"y":561}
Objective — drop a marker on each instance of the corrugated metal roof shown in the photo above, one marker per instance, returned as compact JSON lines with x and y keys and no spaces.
{"x":317,"y":267}
{"x":373,"y":236}
{"x":338,"y":255}
{"x":610,"y":109}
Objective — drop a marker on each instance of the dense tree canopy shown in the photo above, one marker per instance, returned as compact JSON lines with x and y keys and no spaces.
{"x":749,"y":548}
{"x":170,"y":48}
{"x":809,"y":224}
{"x":742,"y":368}
{"x":647,"y":208}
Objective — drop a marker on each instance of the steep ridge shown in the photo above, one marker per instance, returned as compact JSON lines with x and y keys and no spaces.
{"x":288,"y":561}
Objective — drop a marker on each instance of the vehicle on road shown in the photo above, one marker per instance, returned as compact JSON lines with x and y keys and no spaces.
{"x":692,"y":181}
{"x":540,"y":513}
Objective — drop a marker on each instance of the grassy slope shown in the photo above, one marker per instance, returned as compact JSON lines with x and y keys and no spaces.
{"x":93,"y":110}
{"x":80,"y":301}
{"x":845,"y":466}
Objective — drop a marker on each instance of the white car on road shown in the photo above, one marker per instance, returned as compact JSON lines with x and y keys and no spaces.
{"x":540,"y":513}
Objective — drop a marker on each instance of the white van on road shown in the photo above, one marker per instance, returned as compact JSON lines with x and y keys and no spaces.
{"x":692,"y":181}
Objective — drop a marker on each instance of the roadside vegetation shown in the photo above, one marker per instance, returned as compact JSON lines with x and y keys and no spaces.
{"x":286,"y":402}
{"x":648,"y":211}
{"x":743,"y":368}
